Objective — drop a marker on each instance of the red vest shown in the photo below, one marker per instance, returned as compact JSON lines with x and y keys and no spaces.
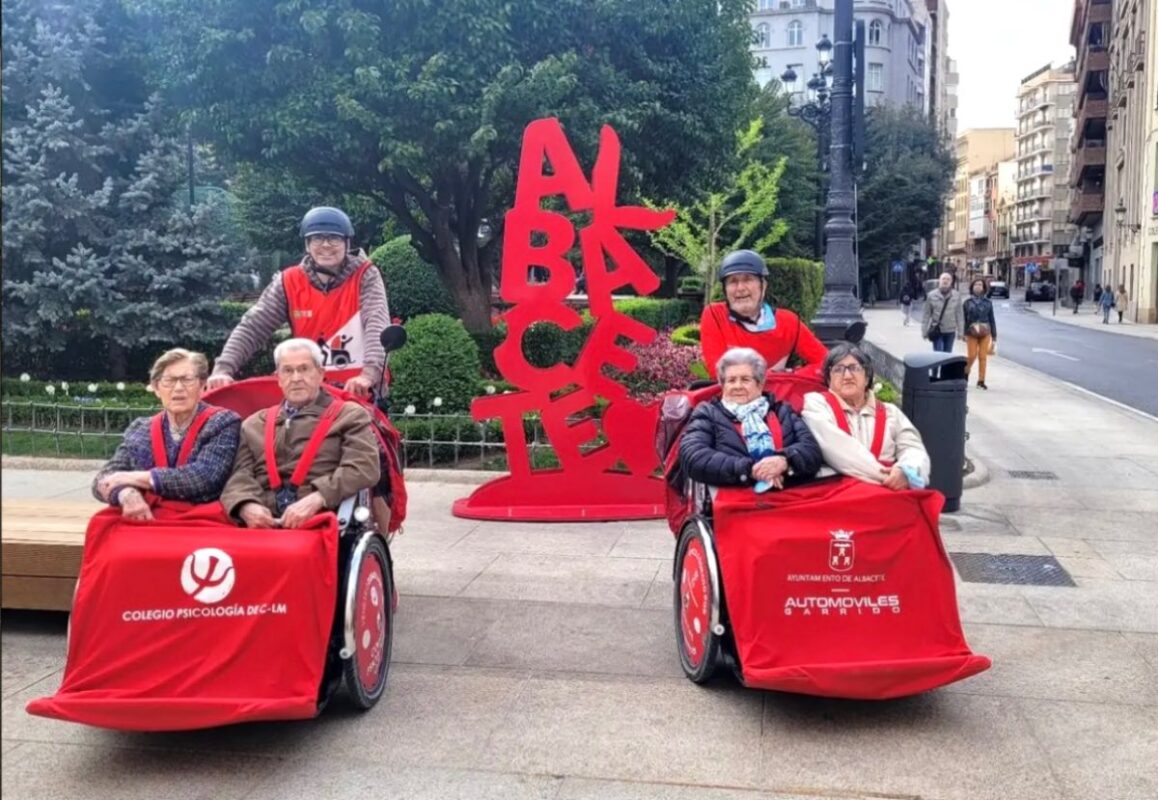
{"x":157,"y":438}
{"x":719,"y":333}
{"x":878,"y":427}
{"x":331,"y":318}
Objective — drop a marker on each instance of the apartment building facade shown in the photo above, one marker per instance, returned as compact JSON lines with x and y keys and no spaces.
{"x":977,"y":150}
{"x":1130,"y":220}
{"x":1090,"y":36}
{"x":1042,"y":230}
{"x":785,"y":33}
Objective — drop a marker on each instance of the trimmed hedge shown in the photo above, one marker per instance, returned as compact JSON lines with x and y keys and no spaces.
{"x":687,"y":335}
{"x":440,"y":359}
{"x":412,"y":285}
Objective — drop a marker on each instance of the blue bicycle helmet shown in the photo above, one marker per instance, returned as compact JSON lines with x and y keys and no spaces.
{"x":325,"y":219}
{"x":743,"y":262}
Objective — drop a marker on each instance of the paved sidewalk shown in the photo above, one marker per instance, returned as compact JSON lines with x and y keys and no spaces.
{"x":539,"y":661}
{"x":1088,"y":317}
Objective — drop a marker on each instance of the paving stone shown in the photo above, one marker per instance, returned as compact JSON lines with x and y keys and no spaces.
{"x":994,"y":603}
{"x":1145,"y":644}
{"x":667,"y":730}
{"x":33,"y":644}
{"x":1137,"y":561}
{"x":1089,"y":568}
{"x":1098,"y":604}
{"x":657,"y":542}
{"x":48,"y":771}
{"x":578,"y":789}
{"x":980,"y":750}
{"x":566,"y":579}
{"x":1064,"y":523}
{"x":1098,"y":751}
{"x":359,"y":781}
{"x":1069,"y":548}
{"x":993,"y":543}
{"x":590,"y":540}
{"x":444,"y":572}
{"x":1051,"y":664}
{"x":442,"y":630}
{"x":580,"y":638}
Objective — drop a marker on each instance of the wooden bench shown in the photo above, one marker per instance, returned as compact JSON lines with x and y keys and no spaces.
{"x":41,"y":542}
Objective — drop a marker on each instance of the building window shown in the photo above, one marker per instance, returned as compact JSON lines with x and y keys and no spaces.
{"x":876,"y":78}
{"x":875,"y":30}
{"x":795,"y":33}
{"x":762,"y":35}
{"x":797,"y":3}
{"x":766,"y":5}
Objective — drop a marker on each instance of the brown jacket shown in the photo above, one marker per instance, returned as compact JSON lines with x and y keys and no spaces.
{"x":346,"y":463}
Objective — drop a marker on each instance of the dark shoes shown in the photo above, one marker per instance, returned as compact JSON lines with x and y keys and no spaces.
{"x":981,"y":385}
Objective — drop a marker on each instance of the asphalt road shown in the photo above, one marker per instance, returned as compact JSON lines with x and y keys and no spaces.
{"x":1123,"y":368}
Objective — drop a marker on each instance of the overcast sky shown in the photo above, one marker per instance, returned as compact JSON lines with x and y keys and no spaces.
{"x":996,"y":43}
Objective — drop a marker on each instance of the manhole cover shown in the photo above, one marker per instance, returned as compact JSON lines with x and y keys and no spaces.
{"x":1014,"y":569}
{"x":1033,"y":474}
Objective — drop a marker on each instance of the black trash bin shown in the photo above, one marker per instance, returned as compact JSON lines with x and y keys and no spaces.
{"x":934,"y":399}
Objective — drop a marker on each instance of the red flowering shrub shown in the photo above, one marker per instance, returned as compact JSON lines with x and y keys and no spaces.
{"x":663,"y":365}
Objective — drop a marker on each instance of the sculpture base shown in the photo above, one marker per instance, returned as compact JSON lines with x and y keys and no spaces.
{"x":552,"y":496}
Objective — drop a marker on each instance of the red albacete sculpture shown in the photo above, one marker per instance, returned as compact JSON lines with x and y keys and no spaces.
{"x":615,"y":480}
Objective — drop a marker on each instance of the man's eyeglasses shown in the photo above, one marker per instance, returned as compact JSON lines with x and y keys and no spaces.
{"x":188,"y":381}
{"x":847,"y":369}
{"x":326,"y":238}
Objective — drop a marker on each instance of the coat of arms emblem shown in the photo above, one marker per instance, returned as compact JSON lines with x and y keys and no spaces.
{"x":841,"y":551}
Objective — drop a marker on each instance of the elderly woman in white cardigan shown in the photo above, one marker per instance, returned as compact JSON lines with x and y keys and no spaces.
{"x":859,"y":435}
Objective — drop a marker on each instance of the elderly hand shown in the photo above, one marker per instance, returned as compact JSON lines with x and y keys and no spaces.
{"x":138,"y":479}
{"x":358,"y":386}
{"x":771,"y":469}
{"x":255,"y":515}
{"x":219,"y":379}
{"x":895,"y":479}
{"x":133,"y":505}
{"x":300,"y":512}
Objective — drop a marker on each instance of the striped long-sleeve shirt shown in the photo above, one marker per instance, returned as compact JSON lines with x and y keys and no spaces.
{"x":271,"y":311}
{"x":201,"y":479}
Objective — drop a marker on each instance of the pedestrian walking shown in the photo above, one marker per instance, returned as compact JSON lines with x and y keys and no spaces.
{"x":980,"y":330}
{"x":1106,"y":304}
{"x":1122,"y":301}
{"x":1097,"y":295}
{"x":907,"y":304}
{"x":1077,"y":292}
{"x":943,"y":320}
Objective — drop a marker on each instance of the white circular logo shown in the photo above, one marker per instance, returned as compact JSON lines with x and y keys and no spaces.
{"x":207,"y":575}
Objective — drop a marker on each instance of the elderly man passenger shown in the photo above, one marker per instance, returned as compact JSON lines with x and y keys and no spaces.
{"x":346,"y":459}
{"x":183,"y":453}
{"x":860,"y":436}
{"x":747,"y":437}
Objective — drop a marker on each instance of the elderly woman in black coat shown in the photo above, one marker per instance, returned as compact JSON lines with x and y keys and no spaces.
{"x":747,"y":437}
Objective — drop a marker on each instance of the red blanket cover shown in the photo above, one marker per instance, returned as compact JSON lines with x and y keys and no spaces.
{"x":190,"y":622}
{"x":840,"y":589}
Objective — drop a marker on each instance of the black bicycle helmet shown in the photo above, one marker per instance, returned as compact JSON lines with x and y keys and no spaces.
{"x":325,"y":219}
{"x":743,"y":262}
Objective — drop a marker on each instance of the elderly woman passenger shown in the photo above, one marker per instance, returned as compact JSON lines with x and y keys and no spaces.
{"x":859,"y":435}
{"x":747,"y":437}
{"x":183,"y":453}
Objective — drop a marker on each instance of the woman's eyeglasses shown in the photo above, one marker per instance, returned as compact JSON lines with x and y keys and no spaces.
{"x":847,"y":369}
{"x":188,"y":381}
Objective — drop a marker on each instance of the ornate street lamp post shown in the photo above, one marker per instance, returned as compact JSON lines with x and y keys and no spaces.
{"x":840,"y":310}
{"x":817,"y":115}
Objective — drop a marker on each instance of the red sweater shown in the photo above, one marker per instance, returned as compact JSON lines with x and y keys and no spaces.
{"x":719,"y":332}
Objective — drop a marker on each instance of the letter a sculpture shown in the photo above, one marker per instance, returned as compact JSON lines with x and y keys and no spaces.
{"x":606,"y":466}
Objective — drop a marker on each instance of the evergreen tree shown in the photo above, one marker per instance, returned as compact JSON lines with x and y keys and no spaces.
{"x":98,"y":240}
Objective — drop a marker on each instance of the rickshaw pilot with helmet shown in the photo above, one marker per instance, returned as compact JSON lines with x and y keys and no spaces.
{"x":746,"y":437}
{"x":183,"y":453}
{"x":322,"y":449}
{"x":859,"y":435}
{"x":333,"y":297}
{"x":745,"y":319}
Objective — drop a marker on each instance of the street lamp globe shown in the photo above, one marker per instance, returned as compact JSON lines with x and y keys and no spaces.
{"x":817,"y":83}
{"x":788,"y":77}
{"x":824,"y":48}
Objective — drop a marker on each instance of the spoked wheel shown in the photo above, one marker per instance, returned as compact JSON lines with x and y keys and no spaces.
{"x":695,"y":598}
{"x":373,"y":625}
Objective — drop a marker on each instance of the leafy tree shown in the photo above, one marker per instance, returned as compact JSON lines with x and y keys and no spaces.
{"x":95,"y":241}
{"x":419,"y":105}
{"x":909,"y":173}
{"x":746,"y":207}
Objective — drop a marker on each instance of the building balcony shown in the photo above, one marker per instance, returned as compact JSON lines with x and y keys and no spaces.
{"x":1086,"y":159}
{"x":1093,"y":108}
{"x":1086,"y":208}
{"x":1097,"y":59}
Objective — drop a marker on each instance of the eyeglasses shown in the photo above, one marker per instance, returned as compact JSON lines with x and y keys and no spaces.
{"x":847,"y":369}
{"x":288,"y":372}
{"x":169,"y":381}
{"x":325,"y":238}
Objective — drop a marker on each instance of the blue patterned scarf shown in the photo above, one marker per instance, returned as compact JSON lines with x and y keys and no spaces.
{"x":754,"y":428}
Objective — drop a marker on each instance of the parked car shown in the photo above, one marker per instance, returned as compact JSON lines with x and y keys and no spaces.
{"x":998,"y":289}
{"x":1038,"y":290}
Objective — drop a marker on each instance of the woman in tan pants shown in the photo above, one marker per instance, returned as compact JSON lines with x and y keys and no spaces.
{"x":980,"y":329}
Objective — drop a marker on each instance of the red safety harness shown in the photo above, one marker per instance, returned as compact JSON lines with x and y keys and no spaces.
{"x":774,"y":429}
{"x":325,"y":422}
{"x":157,"y":435}
{"x":878,"y":429}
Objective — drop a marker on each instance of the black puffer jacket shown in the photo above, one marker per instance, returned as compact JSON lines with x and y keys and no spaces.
{"x":712,"y":451}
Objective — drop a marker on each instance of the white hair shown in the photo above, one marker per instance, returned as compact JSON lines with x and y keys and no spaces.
{"x":736,"y":356}
{"x":297,"y":345}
